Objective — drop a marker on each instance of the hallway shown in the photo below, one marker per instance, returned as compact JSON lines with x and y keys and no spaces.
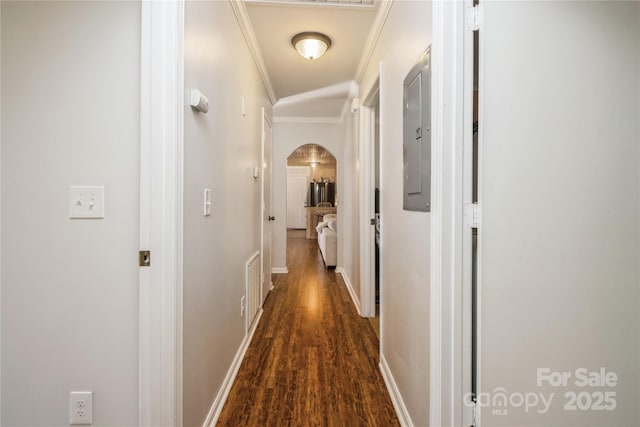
{"x":313,"y":361}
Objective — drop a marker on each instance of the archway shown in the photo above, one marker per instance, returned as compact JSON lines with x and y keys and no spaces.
{"x":311,"y":189}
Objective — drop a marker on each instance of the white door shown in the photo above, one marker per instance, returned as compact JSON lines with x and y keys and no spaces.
{"x":297,"y":187}
{"x":558,"y":268}
{"x":266,"y":205}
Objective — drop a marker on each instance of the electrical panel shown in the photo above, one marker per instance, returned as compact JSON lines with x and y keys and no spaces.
{"x":417,"y":136}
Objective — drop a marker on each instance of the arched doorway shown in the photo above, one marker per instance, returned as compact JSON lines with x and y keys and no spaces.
{"x":311,"y":189}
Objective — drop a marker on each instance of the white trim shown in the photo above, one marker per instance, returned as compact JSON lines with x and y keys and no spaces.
{"x":463,"y":163}
{"x":311,"y":3}
{"x":480,"y":241}
{"x":394,"y":393}
{"x":223,"y":393}
{"x":242,"y":16}
{"x":264,"y":170}
{"x":339,"y":90}
{"x":367,"y":209}
{"x":300,"y":119}
{"x":352,"y":292}
{"x":161,"y":138}
{"x":0,"y":232}
{"x":435,"y":280}
{"x":279,"y":270}
{"x":448,"y":310}
{"x":372,"y":38}
{"x":366,"y":240}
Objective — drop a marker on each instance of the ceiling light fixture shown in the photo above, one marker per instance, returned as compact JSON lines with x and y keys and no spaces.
{"x":311,"y":45}
{"x":313,"y":164}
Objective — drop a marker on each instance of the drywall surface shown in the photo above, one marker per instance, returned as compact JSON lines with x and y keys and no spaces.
{"x":560,"y":217}
{"x":70,"y":116}
{"x":405,"y":235}
{"x":286,"y":138}
{"x":220,"y":149}
{"x":349,"y":206}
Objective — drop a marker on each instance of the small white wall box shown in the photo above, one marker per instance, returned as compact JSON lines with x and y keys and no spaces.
{"x":355,"y":105}
{"x":256,"y":172}
{"x":86,"y":202}
{"x":199,"y":101}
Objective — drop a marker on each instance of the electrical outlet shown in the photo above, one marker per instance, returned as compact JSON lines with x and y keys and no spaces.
{"x":242,"y":307}
{"x":81,"y":407}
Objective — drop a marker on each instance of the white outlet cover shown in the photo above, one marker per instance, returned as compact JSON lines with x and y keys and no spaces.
{"x":81,"y":408}
{"x":86,"y":202}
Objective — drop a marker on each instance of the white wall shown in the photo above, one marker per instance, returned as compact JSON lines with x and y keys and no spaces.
{"x":406,"y":235}
{"x":286,"y":138}
{"x":70,"y":113}
{"x":560,"y":193}
{"x":220,"y":147}
{"x":350,"y":204}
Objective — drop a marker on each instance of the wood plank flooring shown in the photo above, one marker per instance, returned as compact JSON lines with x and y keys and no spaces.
{"x":313,"y":361}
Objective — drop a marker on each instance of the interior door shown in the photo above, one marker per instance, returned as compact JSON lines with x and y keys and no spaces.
{"x":297,"y":187}
{"x":267,"y":218}
{"x":558,"y":239}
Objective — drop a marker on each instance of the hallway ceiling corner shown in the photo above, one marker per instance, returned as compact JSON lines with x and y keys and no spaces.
{"x":349,"y":24}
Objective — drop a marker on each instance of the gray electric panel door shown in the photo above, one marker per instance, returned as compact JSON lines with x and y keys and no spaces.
{"x":417,"y":136}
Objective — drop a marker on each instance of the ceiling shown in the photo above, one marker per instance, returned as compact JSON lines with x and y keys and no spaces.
{"x":306,"y":88}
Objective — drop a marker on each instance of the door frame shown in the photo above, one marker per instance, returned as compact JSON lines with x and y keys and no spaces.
{"x":450,"y":273}
{"x":367,"y":208}
{"x":264,"y":169}
{"x":161,"y":212}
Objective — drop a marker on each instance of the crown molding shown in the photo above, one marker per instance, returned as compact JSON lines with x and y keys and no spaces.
{"x":372,"y":39}
{"x":242,"y":16}
{"x":314,"y":4}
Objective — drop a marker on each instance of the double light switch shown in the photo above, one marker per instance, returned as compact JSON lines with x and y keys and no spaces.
{"x":86,"y":202}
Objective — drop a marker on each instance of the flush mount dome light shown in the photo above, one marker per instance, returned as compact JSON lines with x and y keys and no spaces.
{"x":311,"y":45}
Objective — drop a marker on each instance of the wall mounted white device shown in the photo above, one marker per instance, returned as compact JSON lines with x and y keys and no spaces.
{"x":207,"y":202}
{"x":199,"y":101}
{"x":417,"y":136}
{"x":355,"y":105}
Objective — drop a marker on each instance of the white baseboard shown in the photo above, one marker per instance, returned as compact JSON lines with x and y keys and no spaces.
{"x":279,"y":270}
{"x":223,"y":393}
{"x":347,"y":283}
{"x":396,"y":398}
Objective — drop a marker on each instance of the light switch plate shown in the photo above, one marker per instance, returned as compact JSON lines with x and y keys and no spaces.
{"x":86,"y":202}
{"x":207,"y":202}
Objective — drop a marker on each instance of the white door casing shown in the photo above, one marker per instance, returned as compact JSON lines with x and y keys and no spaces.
{"x":367,"y":208}
{"x":266,"y":204}
{"x":161,"y":145}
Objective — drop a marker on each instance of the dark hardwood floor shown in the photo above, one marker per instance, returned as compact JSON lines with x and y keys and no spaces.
{"x":313,"y":361}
